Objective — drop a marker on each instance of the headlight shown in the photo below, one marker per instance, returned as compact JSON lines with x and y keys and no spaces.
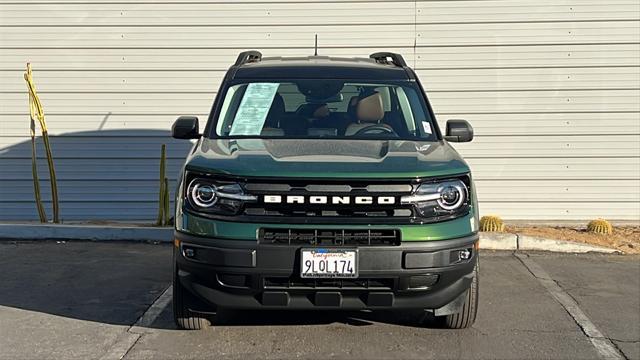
{"x":452,"y":195}
{"x":437,"y":199}
{"x":205,"y":195}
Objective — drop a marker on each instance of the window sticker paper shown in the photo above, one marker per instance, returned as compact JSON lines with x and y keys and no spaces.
{"x":253,"y":109}
{"x":426,"y":126}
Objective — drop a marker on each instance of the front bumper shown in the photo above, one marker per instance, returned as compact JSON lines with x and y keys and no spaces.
{"x":247,"y":275}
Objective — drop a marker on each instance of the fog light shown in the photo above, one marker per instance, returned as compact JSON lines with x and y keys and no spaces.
{"x":189,"y":252}
{"x":464,"y":254}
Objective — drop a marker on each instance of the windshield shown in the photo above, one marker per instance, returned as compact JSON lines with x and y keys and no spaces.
{"x":334,"y":109}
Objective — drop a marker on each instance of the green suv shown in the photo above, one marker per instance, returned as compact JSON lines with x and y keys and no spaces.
{"x":324,"y":183}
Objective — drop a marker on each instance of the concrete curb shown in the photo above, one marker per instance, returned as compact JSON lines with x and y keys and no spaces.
{"x":508,"y":241}
{"x":535,"y":243}
{"x":488,"y":240}
{"x":84,"y":232}
{"x":498,"y":241}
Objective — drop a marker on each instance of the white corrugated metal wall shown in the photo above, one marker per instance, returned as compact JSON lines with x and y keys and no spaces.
{"x":551,"y":87}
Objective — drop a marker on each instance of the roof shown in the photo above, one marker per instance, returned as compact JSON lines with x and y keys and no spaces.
{"x":320,"y":67}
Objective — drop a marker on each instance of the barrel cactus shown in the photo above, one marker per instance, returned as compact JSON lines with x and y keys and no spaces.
{"x":600,"y":226}
{"x":491,"y":223}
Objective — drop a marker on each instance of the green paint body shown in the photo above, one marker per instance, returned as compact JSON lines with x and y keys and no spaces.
{"x":225,"y":230}
{"x":325,"y":159}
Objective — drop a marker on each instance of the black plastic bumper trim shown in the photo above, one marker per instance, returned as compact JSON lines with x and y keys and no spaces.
{"x":221,"y":256}
{"x":300,"y":301}
{"x":255,"y":262}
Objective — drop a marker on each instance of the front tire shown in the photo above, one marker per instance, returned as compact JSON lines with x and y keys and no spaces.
{"x":182,"y":314}
{"x":467,"y":316}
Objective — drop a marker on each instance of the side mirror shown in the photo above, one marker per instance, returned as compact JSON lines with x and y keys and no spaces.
{"x":186,"y":127}
{"x":459,"y":131}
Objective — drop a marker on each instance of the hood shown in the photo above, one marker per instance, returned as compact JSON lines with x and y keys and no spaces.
{"x":318,"y":158}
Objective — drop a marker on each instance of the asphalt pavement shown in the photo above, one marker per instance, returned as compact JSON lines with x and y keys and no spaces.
{"x":92,"y":300}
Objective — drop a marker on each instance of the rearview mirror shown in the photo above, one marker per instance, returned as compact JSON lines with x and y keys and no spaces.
{"x":459,"y":131}
{"x":186,"y":127}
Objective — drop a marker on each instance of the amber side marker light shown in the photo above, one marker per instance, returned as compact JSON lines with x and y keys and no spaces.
{"x":176,"y":243}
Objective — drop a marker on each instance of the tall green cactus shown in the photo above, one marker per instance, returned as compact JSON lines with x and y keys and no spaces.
{"x":160,"y":220}
{"x":37,"y":113}
{"x":167,"y":199}
{"x":34,"y":172}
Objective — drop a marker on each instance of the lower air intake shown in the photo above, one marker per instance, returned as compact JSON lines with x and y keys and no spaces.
{"x":329,"y":237}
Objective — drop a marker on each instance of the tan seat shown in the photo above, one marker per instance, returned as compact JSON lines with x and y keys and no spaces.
{"x":369,"y":111}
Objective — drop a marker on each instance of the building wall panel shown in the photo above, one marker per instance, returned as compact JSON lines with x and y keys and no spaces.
{"x":552,"y":89}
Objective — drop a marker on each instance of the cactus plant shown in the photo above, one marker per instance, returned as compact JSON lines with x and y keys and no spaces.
{"x":34,"y":170}
{"x":600,"y":226}
{"x":37,"y":113}
{"x":162,"y":192}
{"x":491,"y":223}
{"x":166,"y":203}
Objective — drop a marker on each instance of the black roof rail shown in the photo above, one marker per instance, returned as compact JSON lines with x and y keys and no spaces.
{"x":248,"y":57}
{"x":383,"y":58}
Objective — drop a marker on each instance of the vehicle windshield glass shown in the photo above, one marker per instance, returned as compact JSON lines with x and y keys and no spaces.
{"x":319,"y":108}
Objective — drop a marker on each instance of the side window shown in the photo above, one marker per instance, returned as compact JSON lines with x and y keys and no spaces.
{"x":291,"y":96}
{"x":405,"y":108}
{"x":348,"y":91}
{"x":424,"y":121}
{"x":386,"y":98}
{"x":229,"y":107}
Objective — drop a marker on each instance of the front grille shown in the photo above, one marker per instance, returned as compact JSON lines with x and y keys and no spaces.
{"x":330,"y":210}
{"x":325,"y":284}
{"x":252,"y":210}
{"x":326,"y":237}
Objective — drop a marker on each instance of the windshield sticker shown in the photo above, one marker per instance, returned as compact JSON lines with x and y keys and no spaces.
{"x":253,"y":109}
{"x":426,"y":126}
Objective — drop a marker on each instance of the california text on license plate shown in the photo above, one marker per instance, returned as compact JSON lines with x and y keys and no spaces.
{"x":329,"y":263}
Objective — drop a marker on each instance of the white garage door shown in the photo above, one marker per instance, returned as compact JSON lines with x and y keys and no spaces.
{"x":551,"y":87}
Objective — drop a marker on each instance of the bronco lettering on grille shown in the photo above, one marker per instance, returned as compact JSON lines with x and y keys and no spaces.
{"x":334,"y":200}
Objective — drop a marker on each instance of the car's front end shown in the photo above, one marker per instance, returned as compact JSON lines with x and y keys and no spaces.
{"x":411,"y":248}
{"x":381,"y":216}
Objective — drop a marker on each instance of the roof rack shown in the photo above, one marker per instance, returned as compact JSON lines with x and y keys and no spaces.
{"x":248,"y":57}
{"x":383,"y":58}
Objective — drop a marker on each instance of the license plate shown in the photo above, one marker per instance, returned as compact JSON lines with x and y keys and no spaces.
{"x":329,"y":263}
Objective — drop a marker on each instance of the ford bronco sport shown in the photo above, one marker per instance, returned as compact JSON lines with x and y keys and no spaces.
{"x":324,"y":183}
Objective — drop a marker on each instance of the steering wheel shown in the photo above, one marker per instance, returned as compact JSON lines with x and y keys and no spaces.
{"x":376,"y":129}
